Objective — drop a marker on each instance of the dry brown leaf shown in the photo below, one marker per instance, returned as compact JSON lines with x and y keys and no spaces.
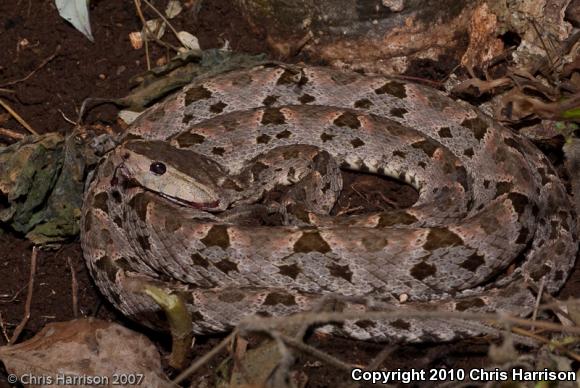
{"x":518,"y":106}
{"x":173,"y":9}
{"x":475,"y":87}
{"x":85,"y":352}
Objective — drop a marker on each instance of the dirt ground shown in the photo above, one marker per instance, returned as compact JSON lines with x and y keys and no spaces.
{"x":46,"y":70}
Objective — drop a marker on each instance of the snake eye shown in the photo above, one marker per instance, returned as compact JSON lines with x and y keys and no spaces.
{"x":157,"y":168}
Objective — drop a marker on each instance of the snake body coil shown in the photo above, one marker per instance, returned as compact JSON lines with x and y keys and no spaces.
{"x":492,"y":215}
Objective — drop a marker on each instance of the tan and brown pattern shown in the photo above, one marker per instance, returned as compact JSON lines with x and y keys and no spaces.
{"x":162,"y":206}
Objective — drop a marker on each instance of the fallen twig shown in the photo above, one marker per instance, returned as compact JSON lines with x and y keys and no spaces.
{"x":238,"y":349}
{"x":282,"y":370}
{"x":151,"y":33}
{"x":74,"y":288}
{"x":42,"y":64}
{"x":144,"y":22}
{"x":349,"y":210}
{"x":538,"y":300}
{"x":10,"y":299}
{"x":66,"y":118}
{"x":539,"y":338}
{"x":162,"y":18}
{"x":26,"y":317}
{"x":3,"y":327}
{"x":205,"y":358}
{"x":272,"y":326}
{"x":381,"y":357}
{"x":435,"y":84}
{"x":264,"y":324}
{"x":17,"y":117}
{"x":312,"y":351}
{"x":551,"y":61}
{"x":554,"y":305}
{"x":11,"y":134}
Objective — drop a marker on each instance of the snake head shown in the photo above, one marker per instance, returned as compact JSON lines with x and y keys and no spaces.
{"x":179,"y":175}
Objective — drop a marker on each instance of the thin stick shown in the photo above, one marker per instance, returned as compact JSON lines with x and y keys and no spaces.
{"x":312,"y":351}
{"x":554,"y":305}
{"x":381,"y":357}
{"x":12,"y":298}
{"x":239,"y":349}
{"x":538,"y":300}
{"x":17,"y":117}
{"x":74,"y":288}
{"x":269,"y":323}
{"x":349,"y":210}
{"x":205,"y":358}
{"x":42,"y":64}
{"x":147,"y":52}
{"x":151,"y":34}
{"x":353,"y":187}
{"x":144,"y":22}
{"x":162,"y":18}
{"x":539,"y":338}
{"x":282,"y":370}
{"x":420,"y":80}
{"x":533,"y":23}
{"x":3,"y":327}
{"x":92,"y":100}
{"x":66,"y":118}
{"x":24,"y":321}
{"x":11,"y":134}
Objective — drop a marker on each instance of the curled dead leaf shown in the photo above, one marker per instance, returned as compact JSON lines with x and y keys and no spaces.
{"x":154,"y":28}
{"x":475,"y":87}
{"x":173,"y":9}
{"x":85,"y":352}
{"x":517,"y":106}
{"x":128,"y":116}
{"x":188,"y":40}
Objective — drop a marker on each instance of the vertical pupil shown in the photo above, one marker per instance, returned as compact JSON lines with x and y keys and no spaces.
{"x":158,"y":168}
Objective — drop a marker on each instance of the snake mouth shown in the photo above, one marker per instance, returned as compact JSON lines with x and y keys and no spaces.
{"x":214,"y":205}
{"x":196,"y":205}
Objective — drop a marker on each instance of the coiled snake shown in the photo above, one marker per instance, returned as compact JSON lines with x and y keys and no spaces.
{"x":164,"y":207}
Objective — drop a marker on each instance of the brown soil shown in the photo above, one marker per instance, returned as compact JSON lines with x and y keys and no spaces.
{"x":46,"y":70}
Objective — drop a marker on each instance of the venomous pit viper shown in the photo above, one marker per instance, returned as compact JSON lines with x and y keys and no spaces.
{"x":170,"y":205}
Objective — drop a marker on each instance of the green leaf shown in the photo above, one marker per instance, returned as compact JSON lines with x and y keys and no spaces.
{"x":571,"y":113}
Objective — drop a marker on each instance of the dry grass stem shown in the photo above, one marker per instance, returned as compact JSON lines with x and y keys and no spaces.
{"x":17,"y":117}
{"x":546,"y":341}
{"x":42,"y":64}
{"x":205,"y":358}
{"x":74,"y":288}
